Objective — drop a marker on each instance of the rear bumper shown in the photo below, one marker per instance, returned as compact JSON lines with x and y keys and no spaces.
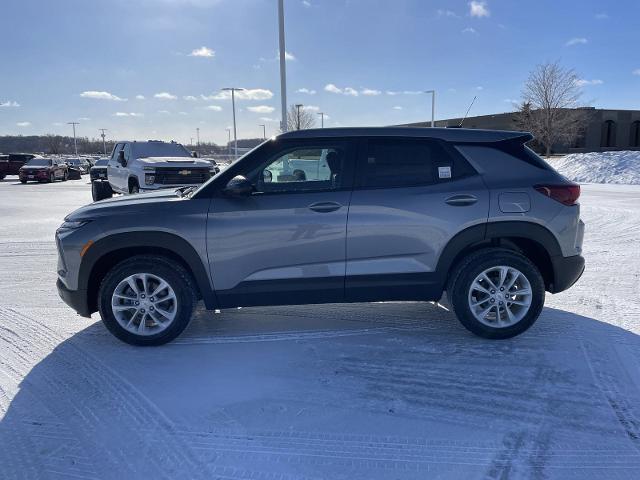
{"x":76,"y":299}
{"x":567,"y":271}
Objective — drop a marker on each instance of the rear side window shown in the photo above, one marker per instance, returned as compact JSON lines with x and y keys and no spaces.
{"x":402,"y":162}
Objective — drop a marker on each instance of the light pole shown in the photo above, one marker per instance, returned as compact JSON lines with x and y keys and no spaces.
{"x":75,"y":145}
{"x":191,"y":141}
{"x":283,"y":67}
{"x":264,"y":131}
{"x":233,"y":91}
{"x":433,"y":107}
{"x":321,"y":119}
{"x":228,"y":141}
{"x":298,"y":107}
{"x":104,"y":144}
{"x":198,"y":139}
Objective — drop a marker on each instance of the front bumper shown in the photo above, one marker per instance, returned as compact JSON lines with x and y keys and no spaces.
{"x":76,"y":299}
{"x":567,"y":271}
{"x":34,"y":175}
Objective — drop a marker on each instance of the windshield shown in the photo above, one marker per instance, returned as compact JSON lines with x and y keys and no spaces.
{"x":38,"y":162}
{"x":102,"y":162}
{"x":158,"y":149}
{"x":73,"y":161}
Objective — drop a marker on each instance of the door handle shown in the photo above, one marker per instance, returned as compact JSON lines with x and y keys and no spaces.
{"x":461,"y":200}
{"x":324,"y":207}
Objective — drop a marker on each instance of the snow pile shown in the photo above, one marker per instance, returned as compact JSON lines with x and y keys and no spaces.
{"x":600,"y":167}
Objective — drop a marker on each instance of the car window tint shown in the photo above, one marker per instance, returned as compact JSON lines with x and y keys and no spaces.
{"x":302,"y":169}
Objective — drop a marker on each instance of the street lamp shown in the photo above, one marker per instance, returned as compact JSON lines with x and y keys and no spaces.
{"x":433,"y":107}
{"x":233,"y":91}
{"x":298,"y":107}
{"x":104,"y":144}
{"x":321,"y":119}
{"x":75,"y":145}
{"x":228,"y":141}
{"x":198,"y":140}
{"x":283,"y":67}
{"x":264,"y":131}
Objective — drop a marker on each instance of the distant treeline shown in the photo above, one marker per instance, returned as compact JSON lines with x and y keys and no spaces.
{"x":58,"y":144}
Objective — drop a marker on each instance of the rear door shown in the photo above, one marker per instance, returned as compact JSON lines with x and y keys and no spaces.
{"x":285,"y":243}
{"x":411,"y":196}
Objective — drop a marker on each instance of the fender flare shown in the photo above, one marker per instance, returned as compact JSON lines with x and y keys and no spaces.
{"x":149,"y":239}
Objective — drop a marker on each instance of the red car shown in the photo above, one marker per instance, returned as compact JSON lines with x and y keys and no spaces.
{"x":43,"y":170}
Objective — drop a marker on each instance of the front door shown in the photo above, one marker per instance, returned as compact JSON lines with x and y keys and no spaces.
{"x":115,"y":171}
{"x":285,"y":243}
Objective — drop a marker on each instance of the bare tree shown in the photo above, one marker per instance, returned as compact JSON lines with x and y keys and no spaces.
{"x":55,"y":143}
{"x":300,"y":118}
{"x":550,"y":106}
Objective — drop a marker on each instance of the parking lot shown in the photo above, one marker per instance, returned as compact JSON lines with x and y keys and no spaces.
{"x":386,"y":390}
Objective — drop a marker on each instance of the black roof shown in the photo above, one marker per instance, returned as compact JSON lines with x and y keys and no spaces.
{"x":449,"y":134}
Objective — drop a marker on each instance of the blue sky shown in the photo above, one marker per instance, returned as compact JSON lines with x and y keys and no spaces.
{"x":360,"y":61}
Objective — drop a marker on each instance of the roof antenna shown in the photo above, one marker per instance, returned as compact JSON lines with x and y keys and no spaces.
{"x":465,"y":115}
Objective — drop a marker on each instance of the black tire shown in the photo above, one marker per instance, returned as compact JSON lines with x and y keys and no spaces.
{"x":100,"y":190}
{"x":466,"y":271}
{"x":23,"y":181}
{"x":134,"y":187}
{"x":64,"y":176}
{"x":173,"y":273}
{"x":52,"y":178}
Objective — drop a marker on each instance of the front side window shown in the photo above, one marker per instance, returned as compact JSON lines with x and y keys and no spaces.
{"x":403,"y":163}
{"x":301,"y":169}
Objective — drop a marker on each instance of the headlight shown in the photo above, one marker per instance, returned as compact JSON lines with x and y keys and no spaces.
{"x":72,"y":225}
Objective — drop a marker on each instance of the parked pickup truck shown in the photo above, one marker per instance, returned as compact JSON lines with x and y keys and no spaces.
{"x":144,"y":166}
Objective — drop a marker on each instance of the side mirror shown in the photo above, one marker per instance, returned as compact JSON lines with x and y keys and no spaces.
{"x":121,"y":159}
{"x":194,"y":154}
{"x":238,"y":186}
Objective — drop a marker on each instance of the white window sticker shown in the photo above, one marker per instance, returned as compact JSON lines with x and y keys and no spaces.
{"x":444,"y":172}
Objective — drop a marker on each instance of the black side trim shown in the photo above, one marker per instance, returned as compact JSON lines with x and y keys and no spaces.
{"x":296,"y":291}
{"x":162,"y":240}
{"x":567,"y":271}
{"x":76,"y":299}
{"x":461,"y":241}
{"x":394,"y":286}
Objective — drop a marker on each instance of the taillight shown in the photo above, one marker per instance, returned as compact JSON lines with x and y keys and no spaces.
{"x":565,"y":194}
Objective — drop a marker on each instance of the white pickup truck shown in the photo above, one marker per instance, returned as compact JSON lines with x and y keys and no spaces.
{"x":142,"y":166}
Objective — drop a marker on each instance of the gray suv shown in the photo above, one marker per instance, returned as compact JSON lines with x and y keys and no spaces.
{"x":330,"y":216}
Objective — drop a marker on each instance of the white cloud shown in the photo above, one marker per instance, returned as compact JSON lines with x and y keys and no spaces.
{"x":139,"y":97}
{"x":307,"y":91}
{"x":331,"y":88}
{"x":306,"y":3}
{"x":350,"y":91}
{"x":57,"y":124}
{"x":84,"y":119}
{"x":164,"y":112}
{"x":182,"y":113}
{"x":269,"y":119}
{"x":469,"y":30}
{"x":312,"y":108}
{"x":248,"y":94}
{"x":215,"y":108}
{"x":128,"y":114}
{"x":165,"y":96}
{"x":8,"y":104}
{"x":289,"y":56}
{"x":397,"y":107}
{"x":102,"y":96}
{"x":203,"y":52}
{"x":601,"y":16}
{"x":23,"y":124}
{"x":479,"y":88}
{"x":403,"y":92}
{"x":370,"y":92}
{"x":583,"y":82}
{"x":636,"y":72}
{"x":190,"y":98}
{"x":446,"y":13}
{"x":478,"y":9}
{"x":261,"y":109}
{"x":576,"y":41}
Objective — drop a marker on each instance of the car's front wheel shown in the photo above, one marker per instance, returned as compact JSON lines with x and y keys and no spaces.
{"x":100,"y":190}
{"x":147,"y":300}
{"x":496,"y":293}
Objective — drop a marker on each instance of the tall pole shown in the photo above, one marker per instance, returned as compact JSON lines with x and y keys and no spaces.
{"x":191,"y":141}
{"x":264,"y":131}
{"x":104,"y":144}
{"x":75,"y":145}
{"x":283,"y":67}
{"x":198,"y":139}
{"x":233,"y":91}
{"x":321,"y":119}
{"x":229,"y":141}
{"x":298,"y":107}
{"x":433,"y":107}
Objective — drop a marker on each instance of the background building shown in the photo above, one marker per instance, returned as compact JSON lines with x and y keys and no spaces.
{"x":606,"y":129}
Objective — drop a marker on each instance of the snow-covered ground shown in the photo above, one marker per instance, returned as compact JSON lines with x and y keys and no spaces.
{"x":600,"y":167}
{"x":365,"y":391}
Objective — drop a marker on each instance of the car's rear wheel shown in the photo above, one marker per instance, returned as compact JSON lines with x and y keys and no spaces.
{"x":147,"y":300}
{"x":496,"y":293}
{"x":52,"y":177}
{"x":23,"y":181}
{"x":100,"y":190}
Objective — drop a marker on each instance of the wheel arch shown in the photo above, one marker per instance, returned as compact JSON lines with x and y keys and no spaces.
{"x":107,"y":252}
{"x":530,"y":239}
